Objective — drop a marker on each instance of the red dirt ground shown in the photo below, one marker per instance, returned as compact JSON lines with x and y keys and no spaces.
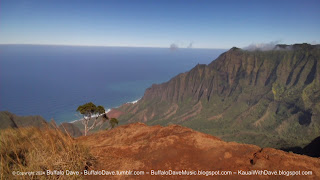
{"x":141,"y":147}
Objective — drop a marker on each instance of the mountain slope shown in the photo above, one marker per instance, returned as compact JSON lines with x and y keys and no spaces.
{"x":8,"y":120}
{"x":267,"y":98}
{"x":145,"y":148}
{"x":70,"y":129}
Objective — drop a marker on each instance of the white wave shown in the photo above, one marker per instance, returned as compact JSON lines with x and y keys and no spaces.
{"x":93,"y":116}
{"x":133,"y":102}
{"x":75,"y":121}
{"x":108,"y":110}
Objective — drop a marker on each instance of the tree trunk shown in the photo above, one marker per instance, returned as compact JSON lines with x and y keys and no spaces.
{"x":85,"y":130}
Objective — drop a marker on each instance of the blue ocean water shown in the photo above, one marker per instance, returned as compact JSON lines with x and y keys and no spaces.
{"x":52,"y":81}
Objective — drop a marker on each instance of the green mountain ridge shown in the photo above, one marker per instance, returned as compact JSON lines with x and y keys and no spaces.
{"x":268,"y":98}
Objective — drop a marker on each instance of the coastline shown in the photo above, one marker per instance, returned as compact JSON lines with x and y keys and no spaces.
{"x":109,"y":111}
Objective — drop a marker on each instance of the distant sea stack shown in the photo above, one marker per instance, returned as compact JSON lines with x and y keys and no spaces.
{"x":268,"y":98}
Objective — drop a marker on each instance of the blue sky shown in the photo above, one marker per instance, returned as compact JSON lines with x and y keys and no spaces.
{"x":138,"y":23}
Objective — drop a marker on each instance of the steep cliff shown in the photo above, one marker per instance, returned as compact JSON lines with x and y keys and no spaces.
{"x":267,"y":98}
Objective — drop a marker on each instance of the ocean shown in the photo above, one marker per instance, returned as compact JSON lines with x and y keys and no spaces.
{"x":52,"y":81}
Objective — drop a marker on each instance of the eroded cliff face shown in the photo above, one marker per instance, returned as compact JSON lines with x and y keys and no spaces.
{"x":267,"y":98}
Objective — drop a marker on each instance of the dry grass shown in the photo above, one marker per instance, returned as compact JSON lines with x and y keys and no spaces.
{"x":32,"y":150}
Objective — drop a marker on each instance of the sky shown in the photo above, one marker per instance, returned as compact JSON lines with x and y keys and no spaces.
{"x":152,"y":23}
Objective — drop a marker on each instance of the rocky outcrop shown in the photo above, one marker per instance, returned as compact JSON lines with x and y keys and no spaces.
{"x":145,"y":148}
{"x":267,"y":98}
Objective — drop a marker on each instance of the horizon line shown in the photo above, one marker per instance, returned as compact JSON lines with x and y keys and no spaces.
{"x":105,"y":46}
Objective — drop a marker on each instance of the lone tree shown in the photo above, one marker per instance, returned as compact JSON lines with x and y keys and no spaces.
{"x":97,"y":113}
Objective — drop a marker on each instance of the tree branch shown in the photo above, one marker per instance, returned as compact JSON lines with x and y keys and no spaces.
{"x":93,"y":125}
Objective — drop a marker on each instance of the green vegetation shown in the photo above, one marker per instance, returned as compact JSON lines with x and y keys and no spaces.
{"x":267,"y":98}
{"x":94,"y":118}
{"x":311,"y":96}
{"x":113,"y":122}
{"x":278,"y":91}
{"x":90,"y":111}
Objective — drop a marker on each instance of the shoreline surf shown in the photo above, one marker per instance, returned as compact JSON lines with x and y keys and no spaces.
{"x":108,"y":110}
